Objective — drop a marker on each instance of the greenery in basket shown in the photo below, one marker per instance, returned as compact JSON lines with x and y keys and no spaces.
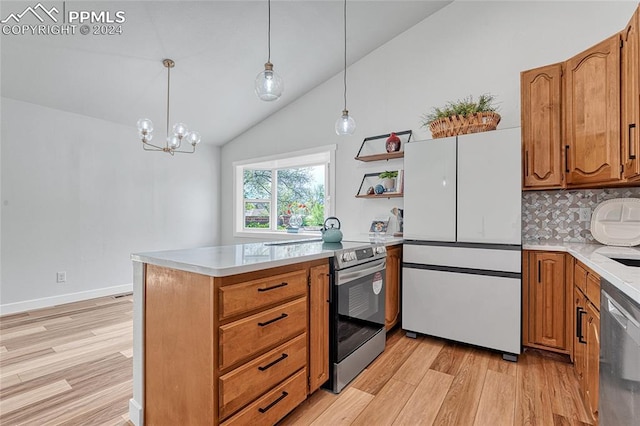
{"x":464,"y":107}
{"x":388,"y":174}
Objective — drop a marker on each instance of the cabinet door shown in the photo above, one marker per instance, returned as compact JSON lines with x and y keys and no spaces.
{"x":592,"y":370}
{"x":631,"y":98}
{"x":430,"y":190}
{"x":392,"y":295}
{"x":541,"y":115}
{"x":592,"y":117}
{"x":318,"y":327}
{"x":579,"y":345}
{"x":548,"y":300}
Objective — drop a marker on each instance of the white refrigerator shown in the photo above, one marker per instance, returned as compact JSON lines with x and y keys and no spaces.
{"x":462,"y":240}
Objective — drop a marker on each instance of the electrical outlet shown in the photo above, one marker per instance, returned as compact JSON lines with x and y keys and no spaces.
{"x":61,"y":277}
{"x":585,"y":214}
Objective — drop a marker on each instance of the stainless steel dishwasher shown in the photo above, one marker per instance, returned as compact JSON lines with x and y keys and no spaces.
{"x":619,"y":358}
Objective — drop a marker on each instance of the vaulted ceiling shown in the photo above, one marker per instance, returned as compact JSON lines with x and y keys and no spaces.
{"x":219,"y":47}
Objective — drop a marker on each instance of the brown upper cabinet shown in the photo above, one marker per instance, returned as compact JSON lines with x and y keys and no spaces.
{"x":631,"y":98}
{"x":541,"y":127}
{"x":592,"y":114}
{"x":580,"y":118}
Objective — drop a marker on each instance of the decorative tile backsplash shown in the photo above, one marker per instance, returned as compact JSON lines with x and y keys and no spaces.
{"x":553,"y":216}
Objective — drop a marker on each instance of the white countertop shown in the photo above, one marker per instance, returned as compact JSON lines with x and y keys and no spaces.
{"x":222,"y":261}
{"x":596,"y":257}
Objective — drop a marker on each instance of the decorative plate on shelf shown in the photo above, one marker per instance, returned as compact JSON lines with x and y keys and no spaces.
{"x":617,"y":222}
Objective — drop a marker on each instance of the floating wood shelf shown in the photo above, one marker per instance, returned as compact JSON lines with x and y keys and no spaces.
{"x":384,"y":155}
{"x":378,"y":157}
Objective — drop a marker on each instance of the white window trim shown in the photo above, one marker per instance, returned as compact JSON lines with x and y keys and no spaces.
{"x":281,"y":161}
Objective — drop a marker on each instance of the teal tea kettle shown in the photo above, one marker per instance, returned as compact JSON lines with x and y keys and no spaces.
{"x":331,"y":234}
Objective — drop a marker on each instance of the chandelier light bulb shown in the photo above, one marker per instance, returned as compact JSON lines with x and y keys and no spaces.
{"x":345,"y":125}
{"x":193,"y":138}
{"x":174,"y":142}
{"x":269,"y":85}
{"x":180,"y":129}
{"x":145,"y":126}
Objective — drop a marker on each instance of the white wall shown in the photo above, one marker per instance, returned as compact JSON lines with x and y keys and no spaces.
{"x":466,"y":48}
{"x":80,"y":195}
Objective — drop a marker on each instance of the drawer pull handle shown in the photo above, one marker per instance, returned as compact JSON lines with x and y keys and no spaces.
{"x":268,"y":407}
{"x":262,"y":324}
{"x":274,"y":362}
{"x":282,"y":284}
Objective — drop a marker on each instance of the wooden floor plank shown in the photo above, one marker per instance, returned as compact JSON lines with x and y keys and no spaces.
{"x":418,"y":363}
{"x":388,"y":403}
{"x":533,"y":406}
{"x":450,"y":358}
{"x":497,"y":404}
{"x":8,"y":405}
{"x":499,"y":365}
{"x":461,"y":402}
{"x":424,"y":404}
{"x":564,"y":392}
{"x":385,"y":366}
{"x":20,"y":333}
{"x":345,"y":409}
{"x":310,"y":409}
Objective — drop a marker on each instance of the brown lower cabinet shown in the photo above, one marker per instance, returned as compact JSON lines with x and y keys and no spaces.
{"x":561,"y":313}
{"x":242,"y":349}
{"x":587,"y":335}
{"x":547,"y":302}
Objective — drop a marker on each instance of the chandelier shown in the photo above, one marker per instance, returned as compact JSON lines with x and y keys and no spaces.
{"x":180,"y":131}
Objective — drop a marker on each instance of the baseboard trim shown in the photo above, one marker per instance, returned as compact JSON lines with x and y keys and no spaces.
{"x":47,"y":302}
{"x":135,"y":413}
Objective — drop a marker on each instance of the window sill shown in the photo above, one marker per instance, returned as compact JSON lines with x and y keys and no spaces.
{"x":274,"y":235}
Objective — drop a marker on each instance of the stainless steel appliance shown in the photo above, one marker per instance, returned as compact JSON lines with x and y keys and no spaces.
{"x":462,"y":239}
{"x":619,"y":402}
{"x":357,"y":333}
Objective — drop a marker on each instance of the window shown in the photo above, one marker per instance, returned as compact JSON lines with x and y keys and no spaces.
{"x":284,"y":194}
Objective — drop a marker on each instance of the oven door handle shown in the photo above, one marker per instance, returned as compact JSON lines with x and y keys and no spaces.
{"x":348,"y":275}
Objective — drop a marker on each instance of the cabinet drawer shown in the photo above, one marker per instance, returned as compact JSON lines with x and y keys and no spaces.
{"x":580,"y":277}
{"x":251,"y":380}
{"x":593,"y":290}
{"x":275,"y":404}
{"x":241,"y":339}
{"x":240,"y":298}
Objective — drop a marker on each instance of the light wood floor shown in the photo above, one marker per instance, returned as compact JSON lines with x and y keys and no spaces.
{"x":71,"y":365}
{"x":67,"y":365}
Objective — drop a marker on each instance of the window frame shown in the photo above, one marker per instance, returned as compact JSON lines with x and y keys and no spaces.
{"x":303,"y":158}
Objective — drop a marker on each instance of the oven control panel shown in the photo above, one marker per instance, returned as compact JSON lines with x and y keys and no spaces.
{"x":350,"y":257}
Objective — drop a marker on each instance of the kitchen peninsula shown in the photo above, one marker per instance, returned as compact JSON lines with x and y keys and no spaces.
{"x":231,"y":335}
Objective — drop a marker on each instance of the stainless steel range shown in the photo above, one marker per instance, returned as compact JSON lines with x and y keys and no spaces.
{"x":357,"y":334}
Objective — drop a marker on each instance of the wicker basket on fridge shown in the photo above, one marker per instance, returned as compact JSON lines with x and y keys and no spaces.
{"x":461,"y":125}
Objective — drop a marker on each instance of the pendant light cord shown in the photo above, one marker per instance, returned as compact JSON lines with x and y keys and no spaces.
{"x":269,"y":30}
{"x":345,"y":55}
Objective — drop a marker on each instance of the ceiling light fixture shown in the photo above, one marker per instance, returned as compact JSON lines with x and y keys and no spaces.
{"x":345,"y":125}
{"x":269,"y":85}
{"x":180,"y":130}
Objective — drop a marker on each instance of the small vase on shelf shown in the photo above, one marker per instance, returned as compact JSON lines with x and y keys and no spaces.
{"x":393,"y":143}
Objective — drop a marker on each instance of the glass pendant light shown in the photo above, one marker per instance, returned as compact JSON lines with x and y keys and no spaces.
{"x":269,"y":85}
{"x":345,"y":125}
